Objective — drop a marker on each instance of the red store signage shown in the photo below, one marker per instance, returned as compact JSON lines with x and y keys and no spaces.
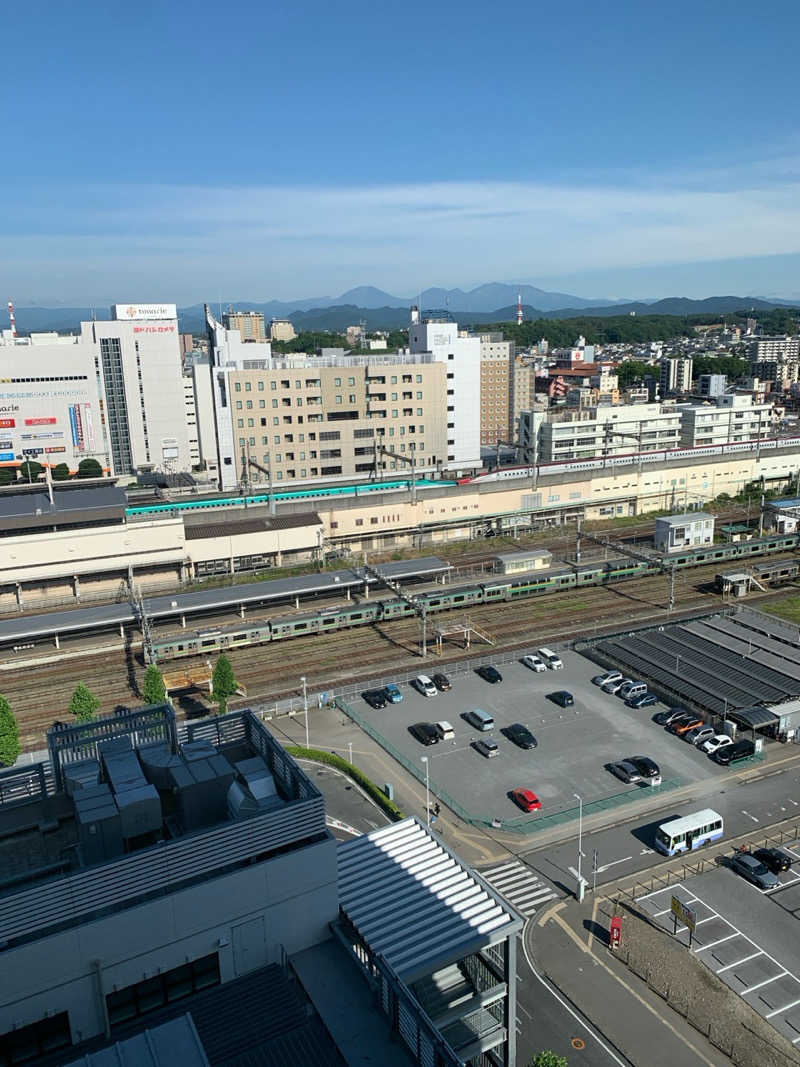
{"x":41,"y":422}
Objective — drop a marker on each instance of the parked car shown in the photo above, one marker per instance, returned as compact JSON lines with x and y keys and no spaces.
{"x":562,"y":697}
{"x":687,"y":719}
{"x":625,"y":771}
{"x":486,"y":747}
{"x":444,"y":730}
{"x":424,"y":685}
{"x":683,"y":727}
{"x":489,"y":674}
{"x":715,"y":743}
{"x":739,"y":750}
{"x":647,"y":768}
{"x":526,"y":799}
{"x":424,"y":732}
{"x":609,"y":676}
{"x":375,"y":698}
{"x":392,"y":693}
{"x":644,"y":700}
{"x":550,"y":658}
{"x":479,"y":718}
{"x":666,"y":718}
{"x":775,"y":858}
{"x":615,"y":685}
{"x":520,"y":735}
{"x":442,"y":683}
{"x":699,"y":734}
{"x":745,"y":864}
{"x":536,"y":663}
{"x":632,"y":689}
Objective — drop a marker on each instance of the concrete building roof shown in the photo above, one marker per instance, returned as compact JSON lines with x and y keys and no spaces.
{"x":232,"y":526}
{"x":22,"y":510}
{"x":415,"y":903}
{"x":681,"y":520}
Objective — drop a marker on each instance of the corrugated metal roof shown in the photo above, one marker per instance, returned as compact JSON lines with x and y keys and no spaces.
{"x":754,"y":718}
{"x":90,"y":499}
{"x":172,"y":1042}
{"x":204,"y":528}
{"x":683,"y":520}
{"x":413,"y":901}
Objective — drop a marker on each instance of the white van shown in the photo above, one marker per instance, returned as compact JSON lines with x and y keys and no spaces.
{"x":632,"y":689}
{"x":444,"y":730}
{"x":425,"y":686}
{"x":551,"y":659}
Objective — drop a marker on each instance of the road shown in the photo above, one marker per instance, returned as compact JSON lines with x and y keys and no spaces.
{"x":626,"y":847}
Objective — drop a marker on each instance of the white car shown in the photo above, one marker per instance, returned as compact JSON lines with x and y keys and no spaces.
{"x":425,"y":686}
{"x":535,"y":663}
{"x":715,"y":743}
{"x":550,"y":658}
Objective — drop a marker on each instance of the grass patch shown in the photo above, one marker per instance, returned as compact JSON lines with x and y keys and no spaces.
{"x":369,"y":787}
{"x":787,"y":608}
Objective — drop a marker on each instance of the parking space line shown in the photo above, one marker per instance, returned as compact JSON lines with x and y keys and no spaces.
{"x":715,"y":943}
{"x":708,"y":918}
{"x":746,"y":958}
{"x":779,"y":1011}
{"x":758,"y":985}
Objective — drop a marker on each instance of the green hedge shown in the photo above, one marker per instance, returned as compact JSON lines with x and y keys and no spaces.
{"x":319,"y":756}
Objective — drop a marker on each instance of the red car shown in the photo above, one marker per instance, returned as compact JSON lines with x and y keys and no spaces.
{"x":526,"y":800}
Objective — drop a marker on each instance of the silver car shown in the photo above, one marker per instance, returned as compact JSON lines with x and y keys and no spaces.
{"x":754,"y":871}
{"x":699,"y":735}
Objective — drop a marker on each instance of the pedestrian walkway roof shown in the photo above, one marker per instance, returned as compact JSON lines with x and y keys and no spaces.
{"x":413,"y":902}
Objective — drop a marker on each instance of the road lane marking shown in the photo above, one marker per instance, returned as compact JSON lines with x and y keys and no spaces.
{"x":749,"y":816}
{"x":613,"y":863}
{"x":758,"y":985}
{"x":744,"y":960}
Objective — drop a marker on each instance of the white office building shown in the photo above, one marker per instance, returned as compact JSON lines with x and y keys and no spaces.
{"x":609,"y":430}
{"x":676,"y":375}
{"x":732,"y":418}
{"x":462,"y":355}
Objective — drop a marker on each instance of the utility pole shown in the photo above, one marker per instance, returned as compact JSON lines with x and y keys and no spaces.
{"x":578,"y":541}
{"x":419,"y":606}
{"x":383,"y":451}
{"x":144,"y":626}
{"x":672,"y":587}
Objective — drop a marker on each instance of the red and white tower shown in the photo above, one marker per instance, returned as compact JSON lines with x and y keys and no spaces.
{"x":519,"y":309}
{"x":12,"y":316}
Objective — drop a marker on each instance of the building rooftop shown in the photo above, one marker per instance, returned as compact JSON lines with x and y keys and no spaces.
{"x":128,"y":807}
{"x":31,"y":507}
{"x":198,"y":526}
{"x":681,"y":520}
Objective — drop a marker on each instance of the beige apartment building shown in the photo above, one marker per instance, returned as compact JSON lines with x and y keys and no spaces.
{"x":282,"y":330}
{"x":497,"y":380}
{"x":250,"y":324}
{"x":324,"y":418}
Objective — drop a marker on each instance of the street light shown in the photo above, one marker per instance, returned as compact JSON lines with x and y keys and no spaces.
{"x":580,"y":844}
{"x":427,"y":791}
{"x":305,"y":704}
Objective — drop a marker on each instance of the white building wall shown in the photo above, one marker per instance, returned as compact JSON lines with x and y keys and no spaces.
{"x":200,"y":371}
{"x":463,"y":358}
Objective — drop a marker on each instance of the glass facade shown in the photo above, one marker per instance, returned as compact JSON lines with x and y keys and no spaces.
{"x":116,"y":404}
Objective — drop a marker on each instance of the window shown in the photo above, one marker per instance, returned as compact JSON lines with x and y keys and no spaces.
{"x":238,"y":405}
{"x":337,"y":382}
{"x":248,"y":387}
{"x":351,"y":381}
{"x":153,"y":993}
{"x":339,"y":399}
{"x":275,"y":402}
{"x":261,"y":387}
{"x":394,"y":413}
{"x":251,"y":422}
{"x":240,"y":423}
{"x":249,"y":405}
{"x":298,"y":385}
{"x":359,"y":522}
{"x":262,"y":403}
{"x":394,"y":379}
{"x":277,"y":439}
{"x":352,"y":398}
{"x":237,"y":387}
{"x":276,"y":421}
{"x":273,"y":385}
{"x":278,"y":457}
{"x":419,"y":395}
{"x":419,"y":411}
{"x":28,"y":1043}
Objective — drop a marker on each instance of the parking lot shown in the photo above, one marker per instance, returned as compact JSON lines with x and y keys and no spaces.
{"x":744,"y":937}
{"x":574,"y":743}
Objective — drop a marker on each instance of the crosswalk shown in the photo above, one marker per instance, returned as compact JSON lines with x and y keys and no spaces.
{"x":521,"y":887}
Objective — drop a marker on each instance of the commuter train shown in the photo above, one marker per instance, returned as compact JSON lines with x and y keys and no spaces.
{"x":491,"y":590}
{"x":629,"y":459}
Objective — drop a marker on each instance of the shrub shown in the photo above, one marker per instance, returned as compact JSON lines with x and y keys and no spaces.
{"x":358,"y":776}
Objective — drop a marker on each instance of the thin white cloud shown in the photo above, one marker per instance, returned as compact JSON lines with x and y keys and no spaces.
{"x":288,"y":241}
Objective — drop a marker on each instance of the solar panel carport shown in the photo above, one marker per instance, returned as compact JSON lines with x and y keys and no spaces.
{"x":106,"y":616}
{"x":717,"y":663}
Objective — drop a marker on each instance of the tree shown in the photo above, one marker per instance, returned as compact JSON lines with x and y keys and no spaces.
{"x":84,"y":703}
{"x":30,"y":470}
{"x":154,"y":691}
{"x":89,"y":468}
{"x":8,"y":475}
{"x":10,"y":746}
{"x":223,"y":683}
{"x":60,"y":472}
{"x":546,"y":1058}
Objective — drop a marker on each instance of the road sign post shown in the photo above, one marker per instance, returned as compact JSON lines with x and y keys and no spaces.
{"x":684,"y":914}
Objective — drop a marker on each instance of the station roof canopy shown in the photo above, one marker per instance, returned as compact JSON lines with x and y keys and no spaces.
{"x":785,"y":505}
{"x":104,"y":616}
{"x":412,"y":901}
{"x":755,"y":718}
{"x":31,"y":508}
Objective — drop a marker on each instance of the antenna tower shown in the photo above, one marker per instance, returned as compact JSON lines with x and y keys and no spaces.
{"x":13,"y":318}
{"x":519,"y":309}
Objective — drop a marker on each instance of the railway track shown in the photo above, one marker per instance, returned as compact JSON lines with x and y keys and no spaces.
{"x":272,"y":671}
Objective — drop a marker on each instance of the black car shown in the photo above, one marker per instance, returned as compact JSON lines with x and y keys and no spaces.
{"x":561,"y":697}
{"x":647,"y":768}
{"x":666,"y":718}
{"x":489,"y":674}
{"x":520,"y":735}
{"x":424,"y":732}
{"x":376,"y":698}
{"x":442,"y":683}
{"x":733,"y":753}
{"x":773,"y":858}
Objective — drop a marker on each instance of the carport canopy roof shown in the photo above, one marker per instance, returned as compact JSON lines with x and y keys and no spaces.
{"x":755,"y":718}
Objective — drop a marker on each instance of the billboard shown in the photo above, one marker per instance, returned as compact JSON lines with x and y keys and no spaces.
{"x":132,"y":312}
{"x":49,"y":421}
{"x":7,"y":424}
{"x":81,"y":427}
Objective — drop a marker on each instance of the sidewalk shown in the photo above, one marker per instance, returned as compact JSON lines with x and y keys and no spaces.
{"x":633,"y":1018}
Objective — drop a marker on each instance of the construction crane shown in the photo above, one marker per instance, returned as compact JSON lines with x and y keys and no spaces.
{"x":381,"y":450}
{"x":419,"y":606}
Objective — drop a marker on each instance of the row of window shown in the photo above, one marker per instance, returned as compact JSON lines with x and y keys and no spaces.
{"x":310,"y":383}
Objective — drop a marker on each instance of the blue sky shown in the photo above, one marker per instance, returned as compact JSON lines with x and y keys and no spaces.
{"x":250,"y":151}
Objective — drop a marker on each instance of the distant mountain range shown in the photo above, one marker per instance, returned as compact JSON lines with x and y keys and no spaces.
{"x":493,"y":302}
